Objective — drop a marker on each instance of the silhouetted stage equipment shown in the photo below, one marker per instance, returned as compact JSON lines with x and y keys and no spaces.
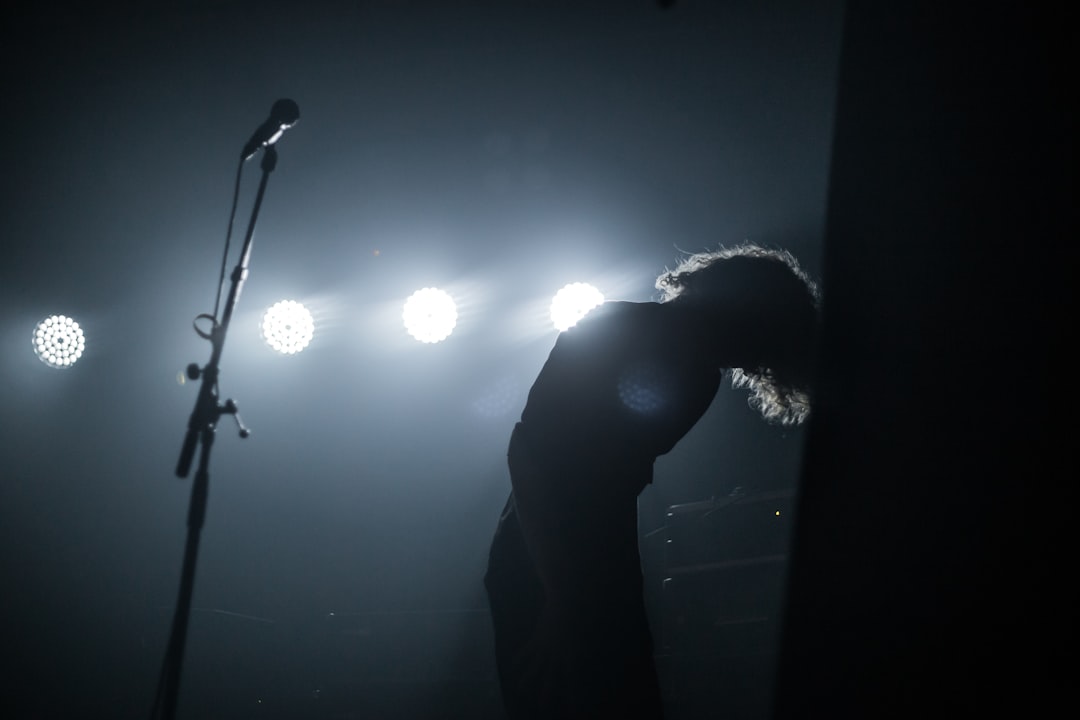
{"x":724,"y":571}
{"x":208,"y":410}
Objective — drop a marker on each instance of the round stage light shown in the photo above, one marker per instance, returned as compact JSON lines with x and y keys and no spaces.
{"x":58,"y":341}
{"x":572,"y":303}
{"x":430,"y":315}
{"x":288,"y":327}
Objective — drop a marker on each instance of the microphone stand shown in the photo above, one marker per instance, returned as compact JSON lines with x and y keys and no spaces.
{"x":201,"y":428}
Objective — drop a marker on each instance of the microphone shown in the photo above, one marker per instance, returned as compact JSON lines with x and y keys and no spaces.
{"x":283,"y":115}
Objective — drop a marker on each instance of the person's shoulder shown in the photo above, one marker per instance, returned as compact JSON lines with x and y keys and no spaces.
{"x":609,"y":315}
{"x":611,"y":320}
{"x":620,"y":309}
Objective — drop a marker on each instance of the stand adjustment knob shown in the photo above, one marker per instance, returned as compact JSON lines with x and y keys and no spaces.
{"x":230,"y":408}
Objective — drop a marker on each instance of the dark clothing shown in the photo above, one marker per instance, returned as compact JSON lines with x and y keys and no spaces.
{"x":564,"y":575}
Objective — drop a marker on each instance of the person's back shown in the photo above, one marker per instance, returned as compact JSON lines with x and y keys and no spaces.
{"x":622,"y":387}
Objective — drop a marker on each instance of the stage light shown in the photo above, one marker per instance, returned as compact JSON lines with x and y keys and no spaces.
{"x":288,"y":327}
{"x":572,"y":303}
{"x":58,"y":341}
{"x":430,"y":315}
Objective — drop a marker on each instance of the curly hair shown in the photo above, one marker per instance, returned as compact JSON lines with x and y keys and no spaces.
{"x":777,"y":308}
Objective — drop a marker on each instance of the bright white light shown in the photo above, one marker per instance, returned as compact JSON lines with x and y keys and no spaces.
{"x":572,"y":303}
{"x":430,"y":315}
{"x":288,"y":327}
{"x":58,"y":341}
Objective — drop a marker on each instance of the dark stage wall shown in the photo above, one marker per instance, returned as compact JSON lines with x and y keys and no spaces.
{"x":943,"y":402}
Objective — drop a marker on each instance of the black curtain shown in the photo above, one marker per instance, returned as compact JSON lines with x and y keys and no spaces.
{"x":937,"y":484}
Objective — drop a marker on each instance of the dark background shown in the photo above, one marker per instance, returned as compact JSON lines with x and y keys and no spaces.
{"x":926,"y":566}
{"x":496,"y":149}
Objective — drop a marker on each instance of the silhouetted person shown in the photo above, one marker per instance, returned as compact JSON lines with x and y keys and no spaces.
{"x":619,"y":389}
